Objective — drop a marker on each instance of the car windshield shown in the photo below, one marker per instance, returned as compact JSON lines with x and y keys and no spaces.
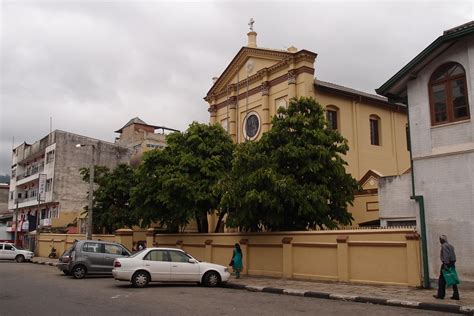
{"x":137,"y":253}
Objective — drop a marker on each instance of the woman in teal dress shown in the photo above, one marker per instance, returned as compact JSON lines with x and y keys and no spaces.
{"x":237,"y":260}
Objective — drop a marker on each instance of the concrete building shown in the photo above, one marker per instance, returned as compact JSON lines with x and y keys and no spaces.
{"x":5,"y":215}
{"x":260,"y":80}
{"x":141,"y":137}
{"x":437,"y":85}
{"x":56,"y":159}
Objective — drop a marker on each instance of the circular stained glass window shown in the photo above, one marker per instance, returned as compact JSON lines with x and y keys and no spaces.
{"x":252,"y":125}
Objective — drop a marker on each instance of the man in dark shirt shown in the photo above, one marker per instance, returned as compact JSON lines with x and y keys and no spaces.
{"x":448,"y":259}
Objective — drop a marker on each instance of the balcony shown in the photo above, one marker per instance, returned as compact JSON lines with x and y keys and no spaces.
{"x":32,"y":172}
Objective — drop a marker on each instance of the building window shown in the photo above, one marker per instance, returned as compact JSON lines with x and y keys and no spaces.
{"x":331,"y":117}
{"x":448,"y":94}
{"x":49,"y":183}
{"x":374,"y":130}
{"x":50,"y":157}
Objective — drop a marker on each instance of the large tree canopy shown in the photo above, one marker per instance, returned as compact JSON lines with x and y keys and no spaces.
{"x":294,"y":177}
{"x":179,"y":183}
{"x":112,"y":198}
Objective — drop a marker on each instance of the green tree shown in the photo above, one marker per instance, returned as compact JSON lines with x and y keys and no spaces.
{"x":112,"y":208}
{"x":180,"y":182}
{"x":294,"y":177}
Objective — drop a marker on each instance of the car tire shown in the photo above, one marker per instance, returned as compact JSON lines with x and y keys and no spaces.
{"x":20,"y":258}
{"x":79,"y":271}
{"x":140,"y":279}
{"x":211,"y":279}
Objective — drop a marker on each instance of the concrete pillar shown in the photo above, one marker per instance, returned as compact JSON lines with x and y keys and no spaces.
{"x":208,"y":250}
{"x":150,"y":237}
{"x":413,"y":259}
{"x":266,"y":118}
{"x":287,"y":257}
{"x":245,"y":255}
{"x":124,"y":236}
{"x":233,"y":118}
{"x":342,"y":258}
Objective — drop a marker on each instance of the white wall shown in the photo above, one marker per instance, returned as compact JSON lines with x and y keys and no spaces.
{"x":394,"y":198}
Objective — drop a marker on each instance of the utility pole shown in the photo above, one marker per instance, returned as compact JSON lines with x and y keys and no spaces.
{"x":16,"y":222}
{"x":91,"y":191}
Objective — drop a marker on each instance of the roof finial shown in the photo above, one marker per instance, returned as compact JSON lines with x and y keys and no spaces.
{"x":251,"y":22}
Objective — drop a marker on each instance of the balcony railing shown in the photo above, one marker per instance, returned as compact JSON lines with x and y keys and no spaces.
{"x":32,"y":172}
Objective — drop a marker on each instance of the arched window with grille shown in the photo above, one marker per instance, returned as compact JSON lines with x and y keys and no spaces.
{"x":448,"y":94}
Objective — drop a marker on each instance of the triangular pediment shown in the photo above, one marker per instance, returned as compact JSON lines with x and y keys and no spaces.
{"x":370,"y":180}
{"x":259,"y":58}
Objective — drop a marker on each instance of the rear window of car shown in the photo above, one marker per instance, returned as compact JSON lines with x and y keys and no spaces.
{"x":91,"y":247}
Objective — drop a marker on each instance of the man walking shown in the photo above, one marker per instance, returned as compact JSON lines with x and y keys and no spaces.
{"x":448,"y":259}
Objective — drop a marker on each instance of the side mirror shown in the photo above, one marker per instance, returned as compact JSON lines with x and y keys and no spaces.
{"x":191,"y":260}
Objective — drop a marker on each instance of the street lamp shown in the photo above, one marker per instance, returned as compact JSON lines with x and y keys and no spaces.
{"x":91,"y":191}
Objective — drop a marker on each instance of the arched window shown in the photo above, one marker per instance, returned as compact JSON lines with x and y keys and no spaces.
{"x":374,"y":121}
{"x":448,"y":94}
{"x":332,"y":116}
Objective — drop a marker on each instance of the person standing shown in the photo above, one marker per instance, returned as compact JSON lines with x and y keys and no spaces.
{"x":448,"y":259}
{"x":236,"y":261}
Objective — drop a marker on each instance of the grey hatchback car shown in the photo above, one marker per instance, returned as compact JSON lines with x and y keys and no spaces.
{"x":94,"y":257}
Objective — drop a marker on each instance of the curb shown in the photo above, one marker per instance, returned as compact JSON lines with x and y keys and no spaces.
{"x":449,"y":308}
{"x":53,"y":264}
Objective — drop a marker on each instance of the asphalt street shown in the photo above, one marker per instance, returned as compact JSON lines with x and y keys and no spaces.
{"x":28,"y":289}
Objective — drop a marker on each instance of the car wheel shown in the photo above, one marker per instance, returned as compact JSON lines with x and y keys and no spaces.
{"x":79,"y":272}
{"x":20,"y":258}
{"x":66,"y":272}
{"x":140,"y":279}
{"x":211,"y":279}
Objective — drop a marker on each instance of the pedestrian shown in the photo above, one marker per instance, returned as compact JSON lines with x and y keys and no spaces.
{"x":448,"y":260}
{"x":236,"y":261}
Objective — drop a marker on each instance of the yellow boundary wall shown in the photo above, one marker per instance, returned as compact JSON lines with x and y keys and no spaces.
{"x":380,"y":256}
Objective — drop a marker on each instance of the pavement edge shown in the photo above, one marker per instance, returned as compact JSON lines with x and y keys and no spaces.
{"x":457,"y":309}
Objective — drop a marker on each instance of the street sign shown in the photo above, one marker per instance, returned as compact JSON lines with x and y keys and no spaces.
{"x":42,"y":187}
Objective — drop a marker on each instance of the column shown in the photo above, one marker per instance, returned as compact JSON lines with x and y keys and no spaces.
{"x":233,"y":117}
{"x":413,"y":259}
{"x":287,"y":257}
{"x":213,"y":112}
{"x":208,"y":250}
{"x":124,"y":236}
{"x":150,"y":238}
{"x":245,"y":254}
{"x":266,"y":118}
{"x":342,"y":258}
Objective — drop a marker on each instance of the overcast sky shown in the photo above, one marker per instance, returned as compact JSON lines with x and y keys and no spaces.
{"x":93,"y":65}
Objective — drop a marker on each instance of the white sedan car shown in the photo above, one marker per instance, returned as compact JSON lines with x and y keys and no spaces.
{"x":167,"y":265}
{"x":10,"y":252}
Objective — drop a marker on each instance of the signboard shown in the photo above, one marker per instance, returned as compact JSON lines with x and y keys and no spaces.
{"x":42,"y":187}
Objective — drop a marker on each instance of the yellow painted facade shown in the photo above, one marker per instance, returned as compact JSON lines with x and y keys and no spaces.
{"x":258,"y":81}
{"x":379,"y":256}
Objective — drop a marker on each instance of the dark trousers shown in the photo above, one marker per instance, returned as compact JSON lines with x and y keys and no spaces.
{"x":442,"y":284}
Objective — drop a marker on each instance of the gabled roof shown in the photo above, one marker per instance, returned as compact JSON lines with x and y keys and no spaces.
{"x":240,"y":58}
{"x":358,"y":94}
{"x":135,"y":120}
{"x":396,"y":86}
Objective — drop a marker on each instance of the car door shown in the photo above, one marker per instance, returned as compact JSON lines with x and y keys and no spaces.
{"x":182,"y":269}
{"x":112,"y":252}
{"x":157,"y":262}
{"x":93,"y":254}
{"x":9,"y":252}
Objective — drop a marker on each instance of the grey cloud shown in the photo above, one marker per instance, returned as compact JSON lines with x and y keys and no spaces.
{"x":93,"y":65}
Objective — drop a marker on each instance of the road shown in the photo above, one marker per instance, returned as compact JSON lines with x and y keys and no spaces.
{"x":29,"y":289}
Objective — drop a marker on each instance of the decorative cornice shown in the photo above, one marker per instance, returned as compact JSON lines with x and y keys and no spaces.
{"x":292,"y":76}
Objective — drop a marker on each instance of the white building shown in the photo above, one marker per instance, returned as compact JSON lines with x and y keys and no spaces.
{"x":56,"y":158}
{"x":437,"y":85}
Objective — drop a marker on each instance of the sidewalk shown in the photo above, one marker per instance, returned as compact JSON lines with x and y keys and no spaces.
{"x":376,"y":294}
{"x":401,"y":296}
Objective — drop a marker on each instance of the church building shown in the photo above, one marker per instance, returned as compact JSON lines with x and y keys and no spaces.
{"x":257,"y":81}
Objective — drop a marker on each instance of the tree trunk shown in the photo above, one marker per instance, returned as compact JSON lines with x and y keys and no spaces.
{"x":219,"y":222}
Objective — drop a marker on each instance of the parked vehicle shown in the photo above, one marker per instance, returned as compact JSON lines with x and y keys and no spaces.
{"x":94,"y":257}
{"x":10,"y":252}
{"x":167,"y":265}
{"x":63,"y":262}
